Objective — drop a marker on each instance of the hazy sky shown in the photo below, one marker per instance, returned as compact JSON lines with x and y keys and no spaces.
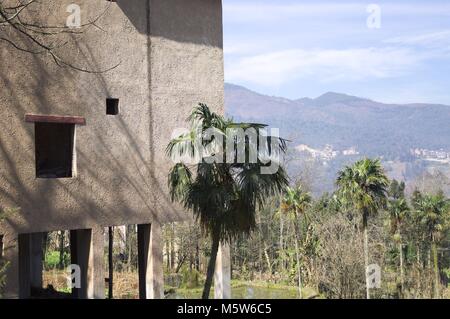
{"x":305,"y":48}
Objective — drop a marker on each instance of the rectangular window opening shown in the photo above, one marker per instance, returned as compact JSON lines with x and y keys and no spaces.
{"x":112,"y":106}
{"x":54,"y":150}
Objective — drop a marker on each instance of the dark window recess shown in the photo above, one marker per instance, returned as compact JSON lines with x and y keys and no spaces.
{"x":54,"y":150}
{"x":112,"y":106}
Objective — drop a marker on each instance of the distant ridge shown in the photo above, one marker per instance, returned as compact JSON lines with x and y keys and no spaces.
{"x":389,"y":130}
{"x":326,"y":98}
{"x":335,"y":129}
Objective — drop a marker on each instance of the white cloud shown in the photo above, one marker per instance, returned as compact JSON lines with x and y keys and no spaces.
{"x":277,"y":68}
{"x":426,"y":8}
{"x":433,"y":39}
{"x":236,"y":47}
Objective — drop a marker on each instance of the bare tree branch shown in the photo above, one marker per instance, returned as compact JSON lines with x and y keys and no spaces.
{"x":42,"y":37}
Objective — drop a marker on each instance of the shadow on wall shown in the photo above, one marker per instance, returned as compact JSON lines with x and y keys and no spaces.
{"x":36,"y":95}
{"x":192,"y":21}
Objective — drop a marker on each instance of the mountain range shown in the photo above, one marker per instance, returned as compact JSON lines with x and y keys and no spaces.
{"x":336,"y":126}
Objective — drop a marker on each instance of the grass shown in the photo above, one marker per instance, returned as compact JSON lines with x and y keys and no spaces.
{"x":255,"y":289}
{"x":126,"y":286}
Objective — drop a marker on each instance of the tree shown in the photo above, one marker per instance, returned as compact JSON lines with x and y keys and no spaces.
{"x":433,"y":211}
{"x":222,"y":192}
{"x":22,"y":30}
{"x":398,"y":210}
{"x":296,"y":202}
{"x":363,"y":186}
{"x":396,"y":189}
{"x":340,"y":263}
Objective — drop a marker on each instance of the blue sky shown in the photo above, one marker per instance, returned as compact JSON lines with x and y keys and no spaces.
{"x":302,"y":48}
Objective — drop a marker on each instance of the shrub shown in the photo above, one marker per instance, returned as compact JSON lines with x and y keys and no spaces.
{"x":190,"y":279}
{"x":52,"y":260}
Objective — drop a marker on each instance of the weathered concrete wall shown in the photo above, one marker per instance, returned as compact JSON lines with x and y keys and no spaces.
{"x":186,"y":68}
{"x":170,"y":55}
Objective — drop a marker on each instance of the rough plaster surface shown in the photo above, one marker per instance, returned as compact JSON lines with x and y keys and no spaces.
{"x":171,"y":58}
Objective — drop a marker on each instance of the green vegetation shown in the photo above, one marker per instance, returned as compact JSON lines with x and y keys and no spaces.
{"x":245,"y":290}
{"x":52,"y":260}
{"x":330,"y":240}
{"x":321,"y":238}
{"x":223,"y":196}
{"x":433,"y":215}
{"x":363,"y":188}
{"x":296,"y":203}
{"x":399,"y":211}
{"x":285,"y":243}
{"x":324,"y":243}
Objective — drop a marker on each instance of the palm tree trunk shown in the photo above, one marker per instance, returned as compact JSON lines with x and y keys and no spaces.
{"x":260,"y":239}
{"x":281,"y":254}
{"x":402,"y":276}
{"x":366,"y":254}
{"x":211,"y":265}
{"x":419,"y":251}
{"x":168,"y":254}
{"x":197,"y":256}
{"x":266,"y":254}
{"x":297,"y":256}
{"x":264,"y":248}
{"x":436,"y":270}
{"x":299,"y":270}
{"x":172,"y":247}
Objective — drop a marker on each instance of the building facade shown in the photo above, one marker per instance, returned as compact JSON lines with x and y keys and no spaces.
{"x":82,"y":151}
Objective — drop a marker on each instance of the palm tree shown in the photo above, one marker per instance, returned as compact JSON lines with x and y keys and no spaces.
{"x":433,"y":211}
{"x":398,"y":210}
{"x":222,"y":192}
{"x":363,"y":187}
{"x":296,"y":202}
{"x":416,"y":226}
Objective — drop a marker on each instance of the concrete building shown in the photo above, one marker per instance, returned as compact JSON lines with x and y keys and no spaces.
{"x":82,"y":151}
